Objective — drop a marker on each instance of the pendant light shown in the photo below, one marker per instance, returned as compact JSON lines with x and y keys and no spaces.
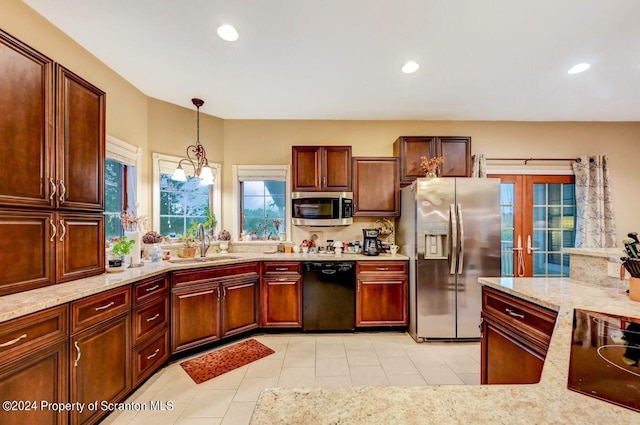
{"x":196,"y":156}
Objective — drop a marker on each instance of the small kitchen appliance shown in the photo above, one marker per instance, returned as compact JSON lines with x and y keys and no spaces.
{"x":370,"y":243}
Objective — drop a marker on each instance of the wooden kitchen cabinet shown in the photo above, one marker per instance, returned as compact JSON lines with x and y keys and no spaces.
{"x":376,"y":187}
{"x":100,"y":347}
{"x":515,"y":338}
{"x":281,"y":300}
{"x":34,"y":365}
{"x":381,"y":293}
{"x":456,"y":151}
{"x":52,"y":127}
{"x":200,"y":310}
{"x":321,"y":168}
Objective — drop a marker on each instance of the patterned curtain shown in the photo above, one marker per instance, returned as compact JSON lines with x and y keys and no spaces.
{"x":595,"y":226}
{"x":479,"y":165}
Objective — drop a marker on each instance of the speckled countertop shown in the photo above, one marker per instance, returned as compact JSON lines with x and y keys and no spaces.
{"x":610,"y":253}
{"x":548,"y":402}
{"x":20,"y":304}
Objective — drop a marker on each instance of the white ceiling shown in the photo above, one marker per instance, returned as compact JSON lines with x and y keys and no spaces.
{"x":341,"y":59}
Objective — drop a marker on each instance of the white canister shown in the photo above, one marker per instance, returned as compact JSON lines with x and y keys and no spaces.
{"x":135,"y":249}
{"x":296,"y":249}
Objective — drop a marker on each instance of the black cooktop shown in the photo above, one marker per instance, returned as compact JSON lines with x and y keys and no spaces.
{"x":605,"y":350}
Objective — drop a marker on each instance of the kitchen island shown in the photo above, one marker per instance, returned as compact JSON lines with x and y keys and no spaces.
{"x":547,"y":402}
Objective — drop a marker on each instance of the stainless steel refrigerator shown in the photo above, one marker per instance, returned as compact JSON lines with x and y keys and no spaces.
{"x":450,"y":229}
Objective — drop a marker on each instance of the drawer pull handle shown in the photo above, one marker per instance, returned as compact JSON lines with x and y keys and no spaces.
{"x":513,"y":313}
{"x":64,"y":230}
{"x":53,"y":188}
{"x":152,"y":318}
{"x":75,"y":362}
{"x":13,"y":341}
{"x":281,"y":269}
{"x":105,"y":306}
{"x":54,"y":229}
{"x":155,"y":353}
{"x":153,"y":288}
{"x":382,"y":269}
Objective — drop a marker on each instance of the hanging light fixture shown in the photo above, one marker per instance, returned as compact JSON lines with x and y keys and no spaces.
{"x":196,"y":157}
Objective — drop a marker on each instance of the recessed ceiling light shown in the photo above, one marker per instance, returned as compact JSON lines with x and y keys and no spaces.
{"x":410,"y":67}
{"x":581,"y":67}
{"x":227,"y":32}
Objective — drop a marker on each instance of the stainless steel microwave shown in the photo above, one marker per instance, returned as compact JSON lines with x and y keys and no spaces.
{"x":322,"y":208}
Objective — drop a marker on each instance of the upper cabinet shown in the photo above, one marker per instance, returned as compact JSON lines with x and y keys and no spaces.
{"x":376,"y":188}
{"x":456,"y":152}
{"x":321,"y":168}
{"x":52,"y":128}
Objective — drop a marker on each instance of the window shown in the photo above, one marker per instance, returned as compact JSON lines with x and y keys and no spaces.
{"x":176,"y":205}
{"x":120,"y":183}
{"x":261,"y":194}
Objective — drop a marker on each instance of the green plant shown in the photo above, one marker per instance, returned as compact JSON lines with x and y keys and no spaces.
{"x":189,"y":239}
{"x":211,"y":222}
{"x":122,"y":247}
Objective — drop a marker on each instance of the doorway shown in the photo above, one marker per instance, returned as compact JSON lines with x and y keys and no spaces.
{"x":538,"y":215}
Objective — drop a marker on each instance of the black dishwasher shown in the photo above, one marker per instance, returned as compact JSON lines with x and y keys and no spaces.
{"x":328,"y":295}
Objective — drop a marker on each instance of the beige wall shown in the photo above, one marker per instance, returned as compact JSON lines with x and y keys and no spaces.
{"x":157,"y":126}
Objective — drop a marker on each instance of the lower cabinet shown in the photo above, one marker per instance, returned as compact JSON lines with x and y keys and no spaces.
{"x":212,"y":303}
{"x":515,"y":338}
{"x":34,"y":367}
{"x":381,"y":293}
{"x":100,"y":360}
{"x":281,"y":295}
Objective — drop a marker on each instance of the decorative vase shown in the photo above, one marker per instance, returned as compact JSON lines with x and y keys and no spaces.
{"x":431,"y":175}
{"x":224,"y":246}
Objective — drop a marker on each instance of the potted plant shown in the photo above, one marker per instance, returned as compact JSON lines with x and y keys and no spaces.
{"x":210,"y":222}
{"x":188,"y":248}
{"x":152,"y":242}
{"x":224,"y":237}
{"x":120,"y":248}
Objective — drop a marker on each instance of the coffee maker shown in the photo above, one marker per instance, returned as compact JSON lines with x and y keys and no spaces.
{"x":370,"y":244}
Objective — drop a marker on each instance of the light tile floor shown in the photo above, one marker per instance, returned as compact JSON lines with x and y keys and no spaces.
{"x":319,"y":360}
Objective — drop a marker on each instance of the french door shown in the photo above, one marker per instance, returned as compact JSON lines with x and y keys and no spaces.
{"x":538,"y":220}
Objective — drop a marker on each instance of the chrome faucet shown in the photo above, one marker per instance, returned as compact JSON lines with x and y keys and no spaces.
{"x":205,"y":241}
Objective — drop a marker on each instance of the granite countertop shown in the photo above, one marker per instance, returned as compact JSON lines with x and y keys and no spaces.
{"x":20,"y":304}
{"x":547,"y":402}
{"x":613,"y":254}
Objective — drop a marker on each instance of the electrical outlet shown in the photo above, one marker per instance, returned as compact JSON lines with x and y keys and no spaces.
{"x":613,"y":270}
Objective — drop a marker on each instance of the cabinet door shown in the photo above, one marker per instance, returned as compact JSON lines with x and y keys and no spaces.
{"x":239,"y":306}
{"x":100,"y":364}
{"x":506,"y":359}
{"x":376,"y":187}
{"x":80,"y":246}
{"x":39,"y":376}
{"x":456,"y":152}
{"x":306,"y":168}
{"x":409,"y":150}
{"x":80,"y":142}
{"x":195,"y":316}
{"x":381,"y":301}
{"x":282,"y":301}
{"x":336,"y":169}
{"x":26,"y":125}
{"x":150,"y":355}
{"x":27,"y":260}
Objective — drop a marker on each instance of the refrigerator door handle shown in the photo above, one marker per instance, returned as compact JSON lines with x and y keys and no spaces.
{"x":461,"y":239}
{"x":453,"y":246}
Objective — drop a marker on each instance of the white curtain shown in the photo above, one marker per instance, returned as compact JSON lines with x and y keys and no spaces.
{"x":595,"y":226}
{"x":479,"y":165}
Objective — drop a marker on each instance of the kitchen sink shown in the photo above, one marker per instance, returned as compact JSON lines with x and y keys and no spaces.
{"x":196,"y":260}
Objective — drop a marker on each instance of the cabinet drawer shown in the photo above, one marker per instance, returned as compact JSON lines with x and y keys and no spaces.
{"x":148,"y":357}
{"x":149,"y":318}
{"x":281,"y":267}
{"x":378,"y":267}
{"x":31,"y":332}
{"x":91,"y":310}
{"x":534,"y":320}
{"x":193,"y":277}
{"x":149,"y":289}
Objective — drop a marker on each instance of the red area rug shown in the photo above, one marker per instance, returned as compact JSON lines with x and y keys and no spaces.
{"x":217,"y":362}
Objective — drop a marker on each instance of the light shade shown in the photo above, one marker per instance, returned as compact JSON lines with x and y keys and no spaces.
{"x":227,"y":32}
{"x":410,"y":67}
{"x":206,"y":174}
{"x":581,"y":67}
{"x":179,"y":175}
